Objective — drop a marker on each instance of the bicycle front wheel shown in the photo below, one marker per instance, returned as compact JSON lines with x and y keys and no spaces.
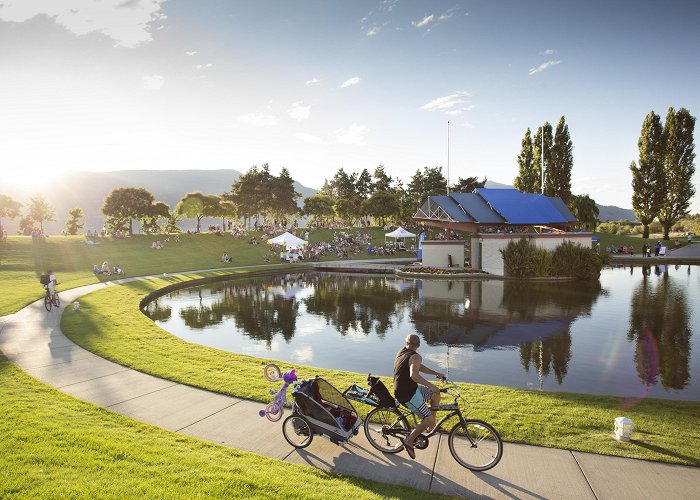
{"x":47,"y":302}
{"x":475,"y":445}
{"x":56,"y":300}
{"x":384,"y":429}
{"x":297,"y":431}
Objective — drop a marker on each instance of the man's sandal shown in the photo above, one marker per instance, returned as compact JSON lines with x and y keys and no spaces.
{"x":409,"y":449}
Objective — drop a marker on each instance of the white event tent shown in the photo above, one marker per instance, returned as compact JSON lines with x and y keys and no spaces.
{"x":399,"y":233}
{"x":288,"y":240}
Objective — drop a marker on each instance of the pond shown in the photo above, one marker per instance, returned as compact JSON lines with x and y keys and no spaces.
{"x":634,"y":333}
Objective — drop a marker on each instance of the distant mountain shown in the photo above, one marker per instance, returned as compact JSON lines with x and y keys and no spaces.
{"x":88,"y":191}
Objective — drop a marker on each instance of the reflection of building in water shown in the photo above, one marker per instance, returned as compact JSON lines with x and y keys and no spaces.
{"x":493,"y":314}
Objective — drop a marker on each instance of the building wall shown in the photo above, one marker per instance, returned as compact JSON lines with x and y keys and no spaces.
{"x":435,"y":253}
{"x":491,"y":259}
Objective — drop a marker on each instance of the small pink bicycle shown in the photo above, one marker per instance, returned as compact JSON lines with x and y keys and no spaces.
{"x":275,"y":409}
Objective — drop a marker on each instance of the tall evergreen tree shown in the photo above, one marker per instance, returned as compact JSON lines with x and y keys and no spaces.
{"x":648,"y":179}
{"x":558,"y":174}
{"x":538,"y":151}
{"x":679,"y":167}
{"x":528,"y":173}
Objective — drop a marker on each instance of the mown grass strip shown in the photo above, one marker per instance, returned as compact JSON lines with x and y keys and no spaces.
{"x":55,"y":446}
{"x":110,"y":325}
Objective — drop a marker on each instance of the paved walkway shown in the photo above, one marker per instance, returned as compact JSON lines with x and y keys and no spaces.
{"x":33,"y":340}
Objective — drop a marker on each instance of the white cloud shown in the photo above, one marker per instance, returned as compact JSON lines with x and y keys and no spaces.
{"x":372,"y":31}
{"x":299,"y":112}
{"x":191,"y":53}
{"x":258,"y":120}
{"x":543,"y":67}
{"x":313,"y":81}
{"x":350,"y":82}
{"x":423,"y":22}
{"x":458,"y":101}
{"x":303,"y":136}
{"x":549,"y":52}
{"x":354,"y":134}
{"x":446,"y":16}
{"x":127,"y":22}
{"x":153,"y":82}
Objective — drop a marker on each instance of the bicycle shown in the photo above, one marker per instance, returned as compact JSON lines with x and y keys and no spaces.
{"x":51,"y":300}
{"x":474,"y":444}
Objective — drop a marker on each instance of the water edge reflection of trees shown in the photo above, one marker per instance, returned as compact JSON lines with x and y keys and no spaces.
{"x":659,"y":326}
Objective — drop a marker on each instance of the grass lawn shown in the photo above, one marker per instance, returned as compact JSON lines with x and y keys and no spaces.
{"x":23,"y":261}
{"x":636,"y":242}
{"x":55,"y":446}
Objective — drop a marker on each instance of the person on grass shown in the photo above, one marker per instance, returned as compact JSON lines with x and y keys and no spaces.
{"x":413,"y":391}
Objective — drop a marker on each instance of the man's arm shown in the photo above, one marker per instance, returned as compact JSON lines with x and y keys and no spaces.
{"x":415,"y":368}
{"x":425,"y":369}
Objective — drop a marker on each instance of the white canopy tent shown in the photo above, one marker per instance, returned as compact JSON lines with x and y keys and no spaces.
{"x":288,"y":240}
{"x":399,"y":233}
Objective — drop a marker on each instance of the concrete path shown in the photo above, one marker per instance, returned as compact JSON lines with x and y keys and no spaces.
{"x":33,"y":340}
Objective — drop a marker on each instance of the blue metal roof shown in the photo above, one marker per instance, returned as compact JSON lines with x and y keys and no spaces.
{"x":522,"y":208}
{"x":478,"y":208}
{"x":452,"y":208}
{"x":563,"y":209}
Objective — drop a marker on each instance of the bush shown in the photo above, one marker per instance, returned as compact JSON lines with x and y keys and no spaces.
{"x":521,"y":259}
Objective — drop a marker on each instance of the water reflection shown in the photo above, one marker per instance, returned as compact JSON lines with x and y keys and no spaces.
{"x":660,"y":328}
{"x":629,"y":334}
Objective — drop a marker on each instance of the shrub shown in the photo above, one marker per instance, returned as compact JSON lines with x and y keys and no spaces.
{"x":521,"y":259}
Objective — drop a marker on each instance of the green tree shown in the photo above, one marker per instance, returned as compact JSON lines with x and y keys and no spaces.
{"x":39,"y":211}
{"x":347,"y":202}
{"x":679,"y":167}
{"x":468,"y":185}
{"x":585,"y":210}
{"x":648,"y":179}
{"x":9,"y":208}
{"x":282,"y":198}
{"x":251,"y":193}
{"x":197,"y":206}
{"x":538,"y":151}
{"x":320,"y":207}
{"x":171,"y":222}
{"x":27,"y":226}
{"x":430,"y":182}
{"x":528,"y":179}
{"x":76,"y":220}
{"x":381,"y":182}
{"x":123,"y":205}
{"x":156,"y":212}
{"x":382,"y":206}
{"x":558,"y":174}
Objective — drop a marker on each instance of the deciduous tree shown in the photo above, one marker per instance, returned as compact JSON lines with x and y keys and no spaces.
{"x":39,"y":211}
{"x":123,"y":205}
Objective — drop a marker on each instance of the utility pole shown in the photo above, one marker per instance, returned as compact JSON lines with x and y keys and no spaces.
{"x":448,"y":157}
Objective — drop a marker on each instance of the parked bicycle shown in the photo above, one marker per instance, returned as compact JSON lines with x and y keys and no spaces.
{"x":474,"y":444}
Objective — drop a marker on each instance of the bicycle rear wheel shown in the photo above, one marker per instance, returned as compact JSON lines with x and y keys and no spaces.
{"x":48,"y":303}
{"x":475,"y":445}
{"x":384,"y":429}
{"x":297,"y":431}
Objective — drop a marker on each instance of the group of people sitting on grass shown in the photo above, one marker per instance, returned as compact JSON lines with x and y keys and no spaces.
{"x":225,"y":257}
{"x":621,"y":249}
{"x":96,"y":270}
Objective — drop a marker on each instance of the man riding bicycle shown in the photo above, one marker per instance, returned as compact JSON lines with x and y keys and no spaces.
{"x":51,"y":285}
{"x":413,"y":391}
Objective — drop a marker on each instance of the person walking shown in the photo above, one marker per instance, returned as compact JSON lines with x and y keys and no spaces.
{"x":413,"y":391}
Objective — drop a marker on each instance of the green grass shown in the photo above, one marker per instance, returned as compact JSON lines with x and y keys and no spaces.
{"x":636,"y":242}
{"x":109,"y":324}
{"x":23,"y":261}
{"x":55,"y":446}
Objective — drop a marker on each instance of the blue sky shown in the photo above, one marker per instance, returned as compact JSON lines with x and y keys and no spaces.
{"x":315,"y":86}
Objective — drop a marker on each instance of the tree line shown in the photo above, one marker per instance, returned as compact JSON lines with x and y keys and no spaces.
{"x":662,"y":177}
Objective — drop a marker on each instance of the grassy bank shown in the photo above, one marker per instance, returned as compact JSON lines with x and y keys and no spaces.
{"x":22,"y":260}
{"x":109,"y":324}
{"x":54,"y":446}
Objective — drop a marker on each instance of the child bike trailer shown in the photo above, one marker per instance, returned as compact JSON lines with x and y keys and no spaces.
{"x":319,"y":408}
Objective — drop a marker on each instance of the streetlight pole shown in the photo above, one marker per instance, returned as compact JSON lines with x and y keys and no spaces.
{"x":448,"y":157}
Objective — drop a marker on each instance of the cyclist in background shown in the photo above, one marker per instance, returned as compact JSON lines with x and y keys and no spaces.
{"x":51,"y":285}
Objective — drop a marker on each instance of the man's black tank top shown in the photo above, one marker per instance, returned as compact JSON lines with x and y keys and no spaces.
{"x":404,"y":386}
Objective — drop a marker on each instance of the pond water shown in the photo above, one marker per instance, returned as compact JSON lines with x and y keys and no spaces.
{"x":634,"y":333}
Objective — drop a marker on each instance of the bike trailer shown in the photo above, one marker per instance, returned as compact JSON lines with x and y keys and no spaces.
{"x":328,"y":412}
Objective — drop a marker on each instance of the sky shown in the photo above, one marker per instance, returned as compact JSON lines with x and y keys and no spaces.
{"x":314,"y":86}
